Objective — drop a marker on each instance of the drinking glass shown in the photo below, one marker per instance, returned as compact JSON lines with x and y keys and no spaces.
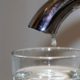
{"x":46,"y":63}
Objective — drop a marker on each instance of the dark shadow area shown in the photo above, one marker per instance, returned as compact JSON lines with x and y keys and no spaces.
{"x":69,"y":35}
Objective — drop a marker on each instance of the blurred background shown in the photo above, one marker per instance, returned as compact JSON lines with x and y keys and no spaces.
{"x":14,"y":33}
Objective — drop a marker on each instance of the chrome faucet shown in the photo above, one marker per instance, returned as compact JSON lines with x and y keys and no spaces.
{"x":50,"y":16}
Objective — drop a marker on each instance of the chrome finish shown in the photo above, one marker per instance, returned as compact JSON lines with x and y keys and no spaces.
{"x":51,"y":14}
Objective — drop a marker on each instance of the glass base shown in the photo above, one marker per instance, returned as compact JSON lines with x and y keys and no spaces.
{"x":46,"y":73}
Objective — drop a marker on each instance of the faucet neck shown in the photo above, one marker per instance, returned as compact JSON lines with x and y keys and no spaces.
{"x":50,"y":16}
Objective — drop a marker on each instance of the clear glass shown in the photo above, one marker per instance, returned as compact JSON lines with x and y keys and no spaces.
{"x":46,"y":63}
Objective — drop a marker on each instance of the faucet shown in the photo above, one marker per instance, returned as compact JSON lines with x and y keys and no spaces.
{"x":50,"y":16}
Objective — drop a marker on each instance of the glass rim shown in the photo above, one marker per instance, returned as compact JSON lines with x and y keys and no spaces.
{"x":44,"y":49}
{"x":48,"y":49}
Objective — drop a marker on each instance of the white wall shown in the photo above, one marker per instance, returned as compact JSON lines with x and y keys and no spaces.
{"x":14,"y":16}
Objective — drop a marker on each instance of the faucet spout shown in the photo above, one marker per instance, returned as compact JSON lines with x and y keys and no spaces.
{"x":51,"y":14}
